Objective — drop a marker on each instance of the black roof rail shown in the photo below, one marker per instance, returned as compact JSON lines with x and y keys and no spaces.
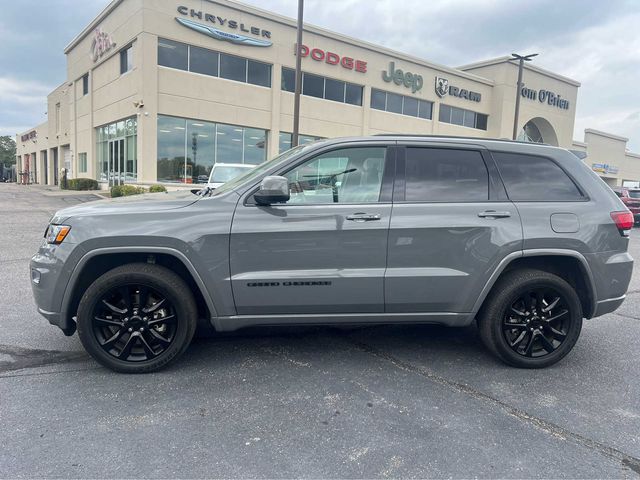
{"x":427,"y":135}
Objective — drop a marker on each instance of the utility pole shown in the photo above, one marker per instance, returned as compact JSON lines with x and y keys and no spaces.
{"x":296,"y":98}
{"x":521,"y":59}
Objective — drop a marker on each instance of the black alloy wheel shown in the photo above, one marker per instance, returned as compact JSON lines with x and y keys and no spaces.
{"x":134,"y":322}
{"x":137,"y":318}
{"x":537,"y":323}
{"x":531,"y":318}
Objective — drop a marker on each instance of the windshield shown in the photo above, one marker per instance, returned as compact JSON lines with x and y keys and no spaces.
{"x":259,"y":170}
{"x":225,"y":173}
{"x":634,"y":193}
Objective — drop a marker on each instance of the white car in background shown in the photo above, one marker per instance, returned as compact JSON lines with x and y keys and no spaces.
{"x":222,"y":173}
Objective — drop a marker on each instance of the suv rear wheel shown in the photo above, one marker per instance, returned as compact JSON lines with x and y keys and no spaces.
{"x":137,"y":318}
{"x":532,"y":319}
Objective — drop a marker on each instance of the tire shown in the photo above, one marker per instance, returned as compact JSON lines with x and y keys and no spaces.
{"x":137,"y":318}
{"x":515,"y":329}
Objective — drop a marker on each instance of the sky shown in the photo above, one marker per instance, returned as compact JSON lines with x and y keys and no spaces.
{"x":593,"y":41}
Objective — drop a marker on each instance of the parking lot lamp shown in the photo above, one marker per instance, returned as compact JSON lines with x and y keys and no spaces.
{"x":521,"y":59}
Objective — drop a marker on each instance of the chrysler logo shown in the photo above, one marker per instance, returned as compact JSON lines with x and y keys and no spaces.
{"x":220,"y":35}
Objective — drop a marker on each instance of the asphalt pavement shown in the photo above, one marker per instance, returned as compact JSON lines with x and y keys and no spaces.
{"x":385,"y":401}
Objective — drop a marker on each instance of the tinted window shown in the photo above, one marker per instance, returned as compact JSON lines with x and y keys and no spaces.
{"x":445,"y":113}
{"x":85,"y":84}
{"x":425,"y":109}
{"x":288,"y":80}
{"x":349,"y":175}
{"x":394,"y":103}
{"x":353,"y":94}
{"x":410,"y":106}
{"x":443,"y":175}
{"x":233,"y":68}
{"x":378,"y":99}
{"x":481,"y":121}
{"x":334,"y":90}
{"x":172,"y":54}
{"x":531,"y":178}
{"x":313,"y":85}
{"x":203,"y":61}
{"x":259,"y":73}
{"x":126,"y":60}
{"x":634,"y":193}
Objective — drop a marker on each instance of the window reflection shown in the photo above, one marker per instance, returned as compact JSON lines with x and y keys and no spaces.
{"x":188,"y":149}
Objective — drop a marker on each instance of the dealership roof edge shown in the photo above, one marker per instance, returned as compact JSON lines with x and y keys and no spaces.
{"x":93,"y":24}
{"x":605,"y":134}
{"x":274,"y":17}
{"x":528,"y":66}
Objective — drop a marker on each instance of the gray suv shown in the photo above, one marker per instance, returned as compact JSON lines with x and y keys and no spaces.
{"x":523,"y":239}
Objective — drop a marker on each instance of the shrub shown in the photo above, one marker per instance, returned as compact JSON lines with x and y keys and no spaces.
{"x":82,"y":184}
{"x":157,"y":188}
{"x":125,"y":190}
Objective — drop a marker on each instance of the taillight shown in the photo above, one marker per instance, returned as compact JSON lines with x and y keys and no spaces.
{"x":624,"y":221}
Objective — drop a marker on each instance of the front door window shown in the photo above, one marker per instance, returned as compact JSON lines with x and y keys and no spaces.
{"x":348,"y":175}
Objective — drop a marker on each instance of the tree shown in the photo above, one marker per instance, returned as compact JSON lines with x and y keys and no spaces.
{"x":7,"y":150}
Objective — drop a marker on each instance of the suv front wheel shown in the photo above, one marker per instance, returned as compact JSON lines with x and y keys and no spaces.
{"x":532,"y":319}
{"x":137,"y":318}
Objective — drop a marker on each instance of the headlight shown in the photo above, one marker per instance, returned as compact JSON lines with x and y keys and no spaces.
{"x":55,"y":234}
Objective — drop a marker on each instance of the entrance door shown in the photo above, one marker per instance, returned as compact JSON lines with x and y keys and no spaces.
{"x":324,"y":251}
{"x":116,"y":172}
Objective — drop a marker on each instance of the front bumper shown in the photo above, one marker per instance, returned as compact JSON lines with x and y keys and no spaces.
{"x":50,"y":273}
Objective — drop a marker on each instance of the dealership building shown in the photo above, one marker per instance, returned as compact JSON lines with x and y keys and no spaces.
{"x":158,"y":91}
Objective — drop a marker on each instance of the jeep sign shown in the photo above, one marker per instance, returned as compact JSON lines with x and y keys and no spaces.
{"x":408,"y":79}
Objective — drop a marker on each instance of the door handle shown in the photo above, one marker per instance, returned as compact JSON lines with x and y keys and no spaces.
{"x":362,"y":217}
{"x":494,"y":214}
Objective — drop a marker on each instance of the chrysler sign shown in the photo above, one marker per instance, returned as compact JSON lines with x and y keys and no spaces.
{"x":227,"y":23}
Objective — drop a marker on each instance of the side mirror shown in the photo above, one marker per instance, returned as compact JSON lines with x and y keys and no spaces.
{"x":273,"y":189}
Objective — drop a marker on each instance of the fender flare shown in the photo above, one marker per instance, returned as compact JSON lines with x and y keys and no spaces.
{"x":77,"y":270}
{"x":538,"y":252}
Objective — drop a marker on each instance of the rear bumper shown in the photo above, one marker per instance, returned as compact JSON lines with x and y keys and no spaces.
{"x":609,"y":305}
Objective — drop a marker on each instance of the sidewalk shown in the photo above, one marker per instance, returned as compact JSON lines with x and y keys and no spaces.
{"x":56,"y":191}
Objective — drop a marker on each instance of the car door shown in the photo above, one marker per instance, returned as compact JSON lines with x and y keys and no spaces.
{"x":451,"y":226}
{"x":324,"y":251}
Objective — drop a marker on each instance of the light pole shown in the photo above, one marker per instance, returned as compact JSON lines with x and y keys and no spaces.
{"x":521,"y":59}
{"x":296,"y":98}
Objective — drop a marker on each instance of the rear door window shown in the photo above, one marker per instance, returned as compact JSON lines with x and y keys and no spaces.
{"x":529,"y":178}
{"x":445,"y":175}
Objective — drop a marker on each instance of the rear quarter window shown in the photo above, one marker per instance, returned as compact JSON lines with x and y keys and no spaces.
{"x":530,"y":178}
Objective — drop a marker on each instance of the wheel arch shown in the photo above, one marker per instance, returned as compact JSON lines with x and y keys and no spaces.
{"x":98,"y":261}
{"x":570,"y":265}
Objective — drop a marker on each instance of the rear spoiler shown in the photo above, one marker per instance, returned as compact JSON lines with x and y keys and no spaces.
{"x":579,"y":153}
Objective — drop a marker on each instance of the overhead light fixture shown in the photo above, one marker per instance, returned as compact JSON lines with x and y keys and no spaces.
{"x":198,"y":124}
{"x":179,"y":128}
{"x":165,"y":131}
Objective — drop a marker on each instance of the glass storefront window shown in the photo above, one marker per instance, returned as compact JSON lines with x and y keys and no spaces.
{"x":188,"y":149}
{"x":171,"y":149}
{"x":254,"y":145}
{"x":117,"y":151}
{"x":200,"y":150}
{"x":284,"y":143}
